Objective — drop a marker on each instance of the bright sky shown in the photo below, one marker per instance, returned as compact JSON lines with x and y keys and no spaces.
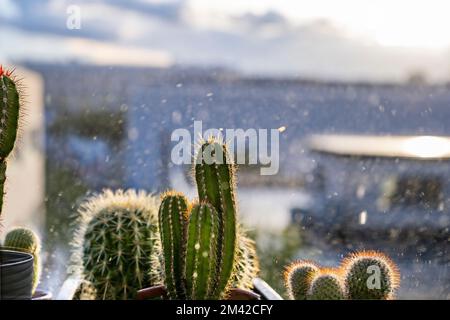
{"x":403,"y":23}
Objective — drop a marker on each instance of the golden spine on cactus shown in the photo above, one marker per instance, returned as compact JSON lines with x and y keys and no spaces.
{"x":114,"y":243}
{"x":326,"y":284}
{"x":247,"y":263}
{"x":297,"y":278}
{"x":10,"y":108}
{"x":25,"y":240}
{"x":214,"y":175}
{"x":172,"y":225}
{"x":370,"y":275}
{"x":202,"y":260}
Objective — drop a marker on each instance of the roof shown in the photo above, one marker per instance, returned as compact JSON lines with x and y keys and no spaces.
{"x":417,"y":147}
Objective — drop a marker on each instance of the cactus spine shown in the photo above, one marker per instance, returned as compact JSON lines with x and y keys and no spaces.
{"x":25,"y":240}
{"x":370,"y":275}
{"x":298,"y":276}
{"x":172,"y":226}
{"x":202,"y":261}
{"x":326,"y":285}
{"x":10,"y":107}
{"x":214,"y":174}
{"x":115,"y":241}
{"x":362,"y":275}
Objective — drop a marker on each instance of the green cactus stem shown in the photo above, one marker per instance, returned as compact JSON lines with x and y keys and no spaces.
{"x":25,"y":240}
{"x":297,"y":278}
{"x":370,"y":275}
{"x":10,"y":106}
{"x":202,"y":262}
{"x":114,"y":243}
{"x":326,"y":285}
{"x":172,"y":225}
{"x":214,"y":175}
{"x":9,"y":113}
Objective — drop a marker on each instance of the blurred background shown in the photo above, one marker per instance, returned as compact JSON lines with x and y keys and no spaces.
{"x":360,"y":88}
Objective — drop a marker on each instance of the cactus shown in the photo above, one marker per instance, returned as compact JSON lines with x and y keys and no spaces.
{"x":115,"y":240}
{"x":362,"y":275}
{"x":298,"y":276}
{"x":202,"y":260}
{"x":25,"y":240}
{"x":10,"y":110}
{"x":214,"y":175}
{"x":172,"y":225}
{"x":85,"y":291}
{"x":205,"y":251}
{"x":247,"y":263}
{"x":370,"y":275}
{"x":326,"y":285}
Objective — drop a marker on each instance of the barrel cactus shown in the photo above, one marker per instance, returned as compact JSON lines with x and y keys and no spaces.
{"x":25,"y":240}
{"x":326,"y":285}
{"x":370,"y":275}
{"x":297,"y":278}
{"x":114,"y":243}
{"x":206,"y":253}
{"x":362,"y":275}
{"x":10,"y":111}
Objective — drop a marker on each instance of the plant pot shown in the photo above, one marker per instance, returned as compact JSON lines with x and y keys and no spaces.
{"x":42,"y":295}
{"x":16,"y":275}
{"x":261,"y":291}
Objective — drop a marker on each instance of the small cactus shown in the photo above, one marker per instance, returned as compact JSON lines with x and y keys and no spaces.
{"x":362,"y":275}
{"x":298,"y":276}
{"x":370,"y":275}
{"x":10,"y":110}
{"x":25,"y":240}
{"x":114,"y":243}
{"x":326,"y":285}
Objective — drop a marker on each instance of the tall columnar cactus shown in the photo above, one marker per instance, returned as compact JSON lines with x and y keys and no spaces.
{"x":25,"y":240}
{"x":202,"y":256}
{"x":370,"y":275}
{"x":361,"y":276}
{"x":172,"y":224}
{"x":326,"y":285}
{"x":114,"y":243}
{"x":298,"y":276}
{"x":10,"y":109}
{"x":214,"y":175}
{"x":205,"y":251}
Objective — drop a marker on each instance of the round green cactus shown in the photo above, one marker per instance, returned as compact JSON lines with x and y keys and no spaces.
{"x":370,"y":275}
{"x":25,"y":240}
{"x":115,"y":241}
{"x":326,"y":285}
{"x":298,"y":276}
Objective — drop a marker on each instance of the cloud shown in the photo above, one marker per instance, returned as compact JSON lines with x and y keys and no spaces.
{"x":265,"y":43}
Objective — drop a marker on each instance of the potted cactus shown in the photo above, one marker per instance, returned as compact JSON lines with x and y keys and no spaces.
{"x":364,"y":275}
{"x":19,"y":256}
{"x":132,"y":245}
